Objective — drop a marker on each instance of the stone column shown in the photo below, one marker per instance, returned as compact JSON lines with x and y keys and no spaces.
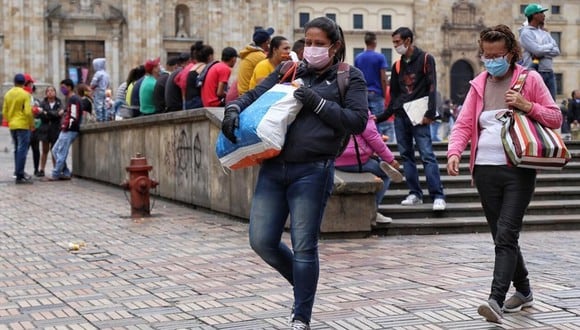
{"x":58,"y":61}
{"x":116,"y":76}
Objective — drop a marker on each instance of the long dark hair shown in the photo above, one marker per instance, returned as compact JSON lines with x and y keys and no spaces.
{"x":274,"y":44}
{"x":333,"y":32}
{"x":501,"y":32}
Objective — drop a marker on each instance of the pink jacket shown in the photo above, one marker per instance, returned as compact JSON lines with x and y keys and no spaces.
{"x":369,"y":143}
{"x":466,"y":128}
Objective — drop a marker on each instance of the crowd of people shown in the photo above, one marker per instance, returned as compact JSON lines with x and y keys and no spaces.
{"x":337,"y":127}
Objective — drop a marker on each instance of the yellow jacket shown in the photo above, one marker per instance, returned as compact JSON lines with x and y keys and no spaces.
{"x":17,"y":109}
{"x":250,"y":55}
{"x":261,"y":71}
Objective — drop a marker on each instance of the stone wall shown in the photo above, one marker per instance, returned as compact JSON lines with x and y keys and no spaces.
{"x":181,"y":148}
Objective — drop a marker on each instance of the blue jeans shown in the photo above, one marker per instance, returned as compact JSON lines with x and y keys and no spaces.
{"x":435,"y":131}
{"x":301,"y":190}
{"x":390,"y":131}
{"x":371,"y":166}
{"x":505,"y":193}
{"x":550,"y":81}
{"x":377,"y":106}
{"x":60,"y":153}
{"x":21,"y":140}
{"x":406,"y":132}
{"x":99,"y":101}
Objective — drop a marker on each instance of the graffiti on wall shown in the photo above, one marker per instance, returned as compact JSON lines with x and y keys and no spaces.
{"x":183,"y":155}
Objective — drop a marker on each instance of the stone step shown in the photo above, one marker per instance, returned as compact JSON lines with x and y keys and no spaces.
{"x":472,"y":209}
{"x":447,"y":225}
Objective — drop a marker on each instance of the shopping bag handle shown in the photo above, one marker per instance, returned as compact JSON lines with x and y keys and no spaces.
{"x":290,"y":67}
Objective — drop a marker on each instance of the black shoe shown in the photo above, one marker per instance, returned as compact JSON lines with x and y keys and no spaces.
{"x":40,"y":174}
{"x":27,"y":176}
{"x":24,"y":181}
{"x":36,"y":173}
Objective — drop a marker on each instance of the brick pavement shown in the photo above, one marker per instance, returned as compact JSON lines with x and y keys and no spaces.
{"x":186,"y":268}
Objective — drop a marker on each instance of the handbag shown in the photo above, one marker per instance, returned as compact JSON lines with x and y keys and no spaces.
{"x":528,"y":143}
{"x":262,"y":127}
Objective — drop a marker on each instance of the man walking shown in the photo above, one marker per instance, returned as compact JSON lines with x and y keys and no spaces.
{"x":539,"y":46}
{"x":69,"y":130}
{"x":373,"y":66}
{"x":17,"y":111}
{"x":414,"y":86}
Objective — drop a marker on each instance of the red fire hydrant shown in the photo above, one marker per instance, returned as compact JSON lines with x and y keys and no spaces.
{"x":139,"y":185}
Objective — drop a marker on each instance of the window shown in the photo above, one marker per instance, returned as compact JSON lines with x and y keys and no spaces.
{"x":388,"y":54}
{"x":386,"y":22}
{"x":556,"y":10}
{"x":304,"y":18}
{"x":331,"y":16}
{"x":557,"y":37}
{"x":559,"y":81}
{"x":357,"y":51}
{"x":523,"y":8}
{"x":357,"y":21}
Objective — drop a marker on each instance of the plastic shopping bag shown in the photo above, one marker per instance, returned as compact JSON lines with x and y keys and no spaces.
{"x":262,"y":129}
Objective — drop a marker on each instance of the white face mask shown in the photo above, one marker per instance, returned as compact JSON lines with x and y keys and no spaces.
{"x":401,"y":49}
{"x":317,"y":57}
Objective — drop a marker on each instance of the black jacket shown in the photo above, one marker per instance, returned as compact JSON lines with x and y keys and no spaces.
{"x":573,"y":111}
{"x":313,"y":137}
{"x":414,"y":80}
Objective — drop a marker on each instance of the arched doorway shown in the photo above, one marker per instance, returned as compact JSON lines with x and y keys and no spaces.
{"x":461,"y":74}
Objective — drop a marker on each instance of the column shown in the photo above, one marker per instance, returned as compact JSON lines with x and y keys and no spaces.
{"x":56,"y":65}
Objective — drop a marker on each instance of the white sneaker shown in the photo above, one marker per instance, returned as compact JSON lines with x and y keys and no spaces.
{"x":411,"y":200}
{"x":391,"y":172}
{"x":383,"y":219}
{"x":439,"y":204}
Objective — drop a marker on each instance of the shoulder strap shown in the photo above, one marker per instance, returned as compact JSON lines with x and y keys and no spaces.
{"x":519,"y":84}
{"x":342,"y":78}
{"x":203,"y":73}
{"x":398,"y":65}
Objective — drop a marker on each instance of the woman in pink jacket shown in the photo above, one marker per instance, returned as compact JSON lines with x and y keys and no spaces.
{"x":505,"y":190}
{"x":370,"y":143}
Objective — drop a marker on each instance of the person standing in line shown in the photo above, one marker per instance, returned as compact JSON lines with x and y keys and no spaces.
{"x":504,"y":189}
{"x":50,"y":115}
{"x":215,"y":85}
{"x":374,"y":66}
{"x":146,"y":102}
{"x":278,"y":51}
{"x":539,"y":46}
{"x":99,"y":85}
{"x":299,"y":181}
{"x":69,"y":130}
{"x":251,"y":55}
{"x":17,"y":111}
{"x":413,"y":78}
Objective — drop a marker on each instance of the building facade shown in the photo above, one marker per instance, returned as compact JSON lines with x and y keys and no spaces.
{"x":53,"y":39}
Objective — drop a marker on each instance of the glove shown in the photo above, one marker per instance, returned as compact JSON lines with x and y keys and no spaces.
{"x":231,"y":122}
{"x":310,"y":99}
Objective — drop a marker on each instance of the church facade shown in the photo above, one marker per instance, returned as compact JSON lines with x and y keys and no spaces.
{"x":52,"y":39}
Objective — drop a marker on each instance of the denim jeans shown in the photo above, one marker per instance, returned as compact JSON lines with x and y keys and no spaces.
{"x":301,"y":190}
{"x":435,"y":131}
{"x":371,"y":166}
{"x":21,"y":140}
{"x":550,"y":81}
{"x":377,"y":106}
{"x":406,"y":132}
{"x":99,"y":100}
{"x":505,"y":194}
{"x":390,"y":131}
{"x":60,"y":153}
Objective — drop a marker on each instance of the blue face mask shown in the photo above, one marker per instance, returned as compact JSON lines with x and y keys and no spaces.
{"x":496,"y":67}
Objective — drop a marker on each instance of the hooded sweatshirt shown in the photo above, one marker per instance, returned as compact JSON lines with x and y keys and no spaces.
{"x":538,"y":43}
{"x":100,"y":80}
{"x":251,"y":56}
{"x":466,"y":128}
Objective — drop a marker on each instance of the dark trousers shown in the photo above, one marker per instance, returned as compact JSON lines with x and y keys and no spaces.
{"x":505,"y":194}
{"x":35,"y":147}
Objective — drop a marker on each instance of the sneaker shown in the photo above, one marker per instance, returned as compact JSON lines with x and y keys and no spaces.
{"x":391,"y":172}
{"x":491,"y":311}
{"x":291,"y":317}
{"x":411,"y":200}
{"x":23,"y":180}
{"x":439,"y":204}
{"x":383,"y":219}
{"x":299,"y":325}
{"x":518,"y":301}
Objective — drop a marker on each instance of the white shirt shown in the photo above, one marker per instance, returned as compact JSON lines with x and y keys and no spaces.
{"x":490,"y":149}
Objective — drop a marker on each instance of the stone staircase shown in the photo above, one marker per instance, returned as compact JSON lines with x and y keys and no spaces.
{"x":556,"y":202}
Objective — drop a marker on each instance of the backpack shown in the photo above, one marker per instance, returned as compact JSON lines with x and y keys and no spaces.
{"x":201,"y":77}
{"x":398,"y":65}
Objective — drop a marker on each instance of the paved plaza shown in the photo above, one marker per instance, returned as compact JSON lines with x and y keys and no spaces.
{"x":187,"y":268}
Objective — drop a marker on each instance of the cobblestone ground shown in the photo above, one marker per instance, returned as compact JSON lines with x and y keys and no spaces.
{"x":187,"y":268}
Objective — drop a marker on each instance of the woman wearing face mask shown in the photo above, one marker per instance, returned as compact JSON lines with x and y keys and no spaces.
{"x":505,"y":190}
{"x":299,"y":181}
{"x":279,"y":51}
